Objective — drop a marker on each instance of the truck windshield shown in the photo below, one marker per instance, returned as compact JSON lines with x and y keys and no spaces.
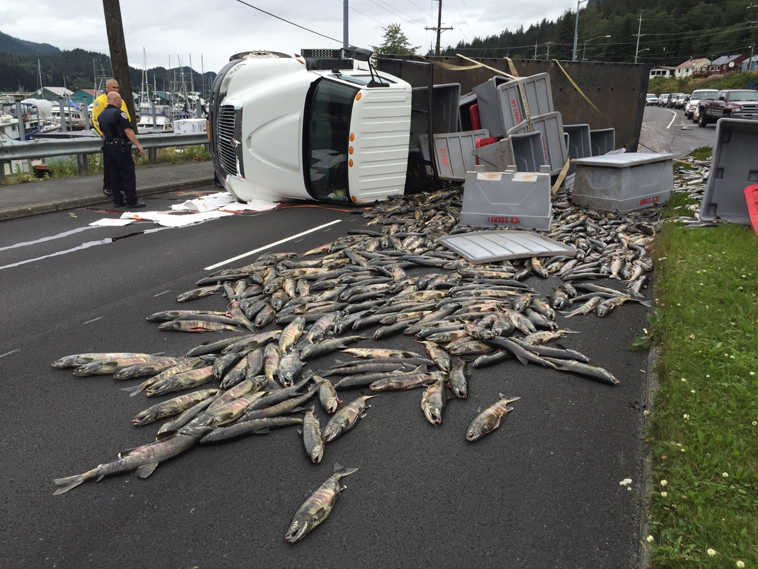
{"x":705,"y":95}
{"x":742,"y":96}
{"x":325,"y":141}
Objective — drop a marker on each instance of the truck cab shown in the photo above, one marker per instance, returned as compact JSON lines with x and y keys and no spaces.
{"x":731,"y":103}
{"x":316,"y":127}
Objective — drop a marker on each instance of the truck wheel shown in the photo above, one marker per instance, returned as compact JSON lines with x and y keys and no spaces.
{"x":702,"y":122}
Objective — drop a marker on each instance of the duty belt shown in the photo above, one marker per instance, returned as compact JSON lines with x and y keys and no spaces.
{"x":121,"y":141}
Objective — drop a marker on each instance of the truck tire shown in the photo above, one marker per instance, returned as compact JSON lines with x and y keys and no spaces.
{"x":703,"y":122}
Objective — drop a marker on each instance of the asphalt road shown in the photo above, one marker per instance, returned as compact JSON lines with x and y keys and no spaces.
{"x":668,"y":130}
{"x":542,"y":492}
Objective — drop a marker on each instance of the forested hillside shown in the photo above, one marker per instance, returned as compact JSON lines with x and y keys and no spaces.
{"x":672,"y":32}
{"x":75,"y":68}
{"x":15,"y":45}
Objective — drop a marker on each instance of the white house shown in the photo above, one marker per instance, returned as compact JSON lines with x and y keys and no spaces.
{"x":692,"y":67}
{"x":662,"y":72}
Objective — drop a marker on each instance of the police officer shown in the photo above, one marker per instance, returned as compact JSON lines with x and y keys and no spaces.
{"x":117,"y":158}
{"x":98,"y":106}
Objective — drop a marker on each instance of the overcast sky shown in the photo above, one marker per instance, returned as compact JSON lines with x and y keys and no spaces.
{"x":219,"y":28}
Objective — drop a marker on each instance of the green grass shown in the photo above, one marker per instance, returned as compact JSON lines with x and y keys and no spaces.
{"x":703,"y":432}
{"x":68,"y":168}
{"x":702,"y":153}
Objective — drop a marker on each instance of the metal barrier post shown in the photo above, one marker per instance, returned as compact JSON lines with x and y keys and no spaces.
{"x":81,"y":162}
{"x":152,"y":154}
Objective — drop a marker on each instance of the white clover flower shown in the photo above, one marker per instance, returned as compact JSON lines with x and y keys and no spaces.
{"x":664,"y":482}
{"x":686,"y":416}
{"x":625,"y":482}
{"x":740,"y":564}
{"x":651,"y":539}
{"x":683,"y":379}
{"x":711,"y":552}
{"x":664,"y":494}
{"x":725,"y":475}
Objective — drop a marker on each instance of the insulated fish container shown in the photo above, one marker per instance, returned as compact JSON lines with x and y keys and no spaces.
{"x":623,"y":182}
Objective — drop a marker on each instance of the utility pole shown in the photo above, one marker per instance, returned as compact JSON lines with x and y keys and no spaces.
{"x":439,"y":29}
{"x":639,"y":30}
{"x":119,"y":60}
{"x":345,"y":42}
{"x":535,"y":51}
{"x":576,"y":29}
{"x":752,"y":42}
{"x":547,"y":54}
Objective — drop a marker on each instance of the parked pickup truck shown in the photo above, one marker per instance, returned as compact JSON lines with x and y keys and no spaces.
{"x":698,"y":96}
{"x":731,"y":103}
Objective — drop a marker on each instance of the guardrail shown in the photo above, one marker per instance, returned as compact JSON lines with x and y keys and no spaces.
{"x":81,"y":147}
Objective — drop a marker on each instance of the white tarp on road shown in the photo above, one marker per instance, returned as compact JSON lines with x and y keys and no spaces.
{"x":198,"y":210}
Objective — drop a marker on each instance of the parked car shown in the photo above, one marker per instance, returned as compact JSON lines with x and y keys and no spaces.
{"x":674,"y":99}
{"x":731,"y":103}
{"x":651,"y":99}
{"x":680,"y":100}
{"x":691,"y":108}
{"x":663,"y":99}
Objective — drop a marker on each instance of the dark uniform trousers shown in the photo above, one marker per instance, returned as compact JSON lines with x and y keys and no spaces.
{"x":119,"y":171}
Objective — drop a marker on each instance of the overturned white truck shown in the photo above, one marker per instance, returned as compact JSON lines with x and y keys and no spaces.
{"x":310,"y":127}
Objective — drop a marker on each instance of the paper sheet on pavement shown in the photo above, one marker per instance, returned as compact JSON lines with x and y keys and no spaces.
{"x":167,"y":219}
{"x":206,"y":203}
{"x":254,"y":205}
{"x":111,"y":222}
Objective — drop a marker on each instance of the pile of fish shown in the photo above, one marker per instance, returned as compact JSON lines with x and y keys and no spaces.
{"x":691,"y":178}
{"x":391,"y":278}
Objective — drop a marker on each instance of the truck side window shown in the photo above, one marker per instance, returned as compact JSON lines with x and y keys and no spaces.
{"x":327,"y":128}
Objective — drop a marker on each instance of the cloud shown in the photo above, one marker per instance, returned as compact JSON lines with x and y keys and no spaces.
{"x":219,"y":28}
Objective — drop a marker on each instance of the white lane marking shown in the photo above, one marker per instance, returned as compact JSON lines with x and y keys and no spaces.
{"x":672,"y":119}
{"x":161,"y":293}
{"x":274,"y":244}
{"x":9,"y":353}
{"x":86,"y":245}
{"x":48,"y":238}
{"x":91,"y":321}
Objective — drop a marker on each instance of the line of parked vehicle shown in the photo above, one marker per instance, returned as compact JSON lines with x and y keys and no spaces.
{"x":706,"y":106}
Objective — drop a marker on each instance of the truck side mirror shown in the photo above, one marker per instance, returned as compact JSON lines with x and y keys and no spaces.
{"x":722,"y":97}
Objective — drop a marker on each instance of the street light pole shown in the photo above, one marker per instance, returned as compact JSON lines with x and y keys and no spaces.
{"x":576,"y":29}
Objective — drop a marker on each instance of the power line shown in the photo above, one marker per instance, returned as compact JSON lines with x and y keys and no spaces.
{"x":390,"y":10}
{"x":288,"y":21}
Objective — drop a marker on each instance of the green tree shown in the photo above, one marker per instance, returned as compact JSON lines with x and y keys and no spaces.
{"x":395,"y":42}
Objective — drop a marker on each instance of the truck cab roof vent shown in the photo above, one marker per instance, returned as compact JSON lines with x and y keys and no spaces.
{"x":325,"y":59}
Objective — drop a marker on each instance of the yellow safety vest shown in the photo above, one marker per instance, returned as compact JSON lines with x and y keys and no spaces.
{"x":99,"y":105}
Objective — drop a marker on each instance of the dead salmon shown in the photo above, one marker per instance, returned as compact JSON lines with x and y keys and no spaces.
{"x":489,"y":419}
{"x":318,"y":506}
